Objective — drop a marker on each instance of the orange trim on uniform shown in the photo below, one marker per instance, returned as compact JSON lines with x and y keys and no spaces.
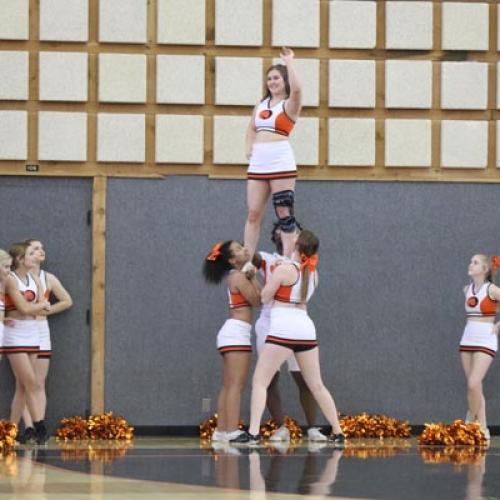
{"x":291,"y":341}
{"x":236,"y":300}
{"x":44,"y":354}
{"x":20,"y":349}
{"x":289,"y":174}
{"x":476,"y":348}
{"x":235,"y":348}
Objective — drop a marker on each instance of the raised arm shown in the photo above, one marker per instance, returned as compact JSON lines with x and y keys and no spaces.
{"x":293,"y":104}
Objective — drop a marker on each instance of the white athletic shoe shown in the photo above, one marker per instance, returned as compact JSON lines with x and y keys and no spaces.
{"x":233,"y":434}
{"x":487,"y":434}
{"x":315,"y":434}
{"x":219,"y":436}
{"x":281,"y":434}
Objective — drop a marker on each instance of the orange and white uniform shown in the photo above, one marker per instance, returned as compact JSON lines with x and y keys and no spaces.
{"x":235,"y":334}
{"x":21,"y":335}
{"x":43,"y":323}
{"x":274,"y":159}
{"x":478,"y":336}
{"x":2,"y":311}
{"x":291,"y":326}
{"x":263,"y":323}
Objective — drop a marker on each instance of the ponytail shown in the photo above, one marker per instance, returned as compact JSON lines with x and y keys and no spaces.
{"x":216,"y":264}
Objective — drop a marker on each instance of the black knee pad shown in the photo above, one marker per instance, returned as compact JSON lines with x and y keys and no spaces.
{"x":284,"y":199}
{"x":287,"y":224}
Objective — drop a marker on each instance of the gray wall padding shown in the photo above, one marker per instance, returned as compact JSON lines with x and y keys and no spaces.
{"x":389,"y":311}
{"x":55,"y":210}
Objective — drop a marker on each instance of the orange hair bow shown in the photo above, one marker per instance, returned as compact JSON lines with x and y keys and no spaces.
{"x":215,"y":252}
{"x":309,"y":262}
{"x":495,"y":262}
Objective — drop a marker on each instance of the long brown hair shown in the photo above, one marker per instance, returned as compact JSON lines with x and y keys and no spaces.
{"x":17,"y":251}
{"x":307,"y":245}
{"x":283,"y":71}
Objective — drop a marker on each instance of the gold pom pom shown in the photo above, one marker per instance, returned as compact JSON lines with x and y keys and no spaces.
{"x":104,"y":426}
{"x":456,"y":433}
{"x":374,"y":426}
{"x":108,"y":426}
{"x":207,"y":428}
{"x":8,"y":434}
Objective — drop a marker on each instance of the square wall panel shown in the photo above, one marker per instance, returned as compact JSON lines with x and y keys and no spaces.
{"x":295,"y":23}
{"x":238,"y":80}
{"x":305,"y":141}
{"x":64,"y":20}
{"x":353,"y":24}
{"x":63,"y":76}
{"x":179,"y":139}
{"x":14,"y":19}
{"x":229,"y":139}
{"x":123,"y":21}
{"x":308,"y":71}
{"x":498,"y":143}
{"x":14,"y":79}
{"x":62,"y":136}
{"x":408,"y":143}
{"x":122,"y":78}
{"x":13,"y":135}
{"x":464,"y":85}
{"x":121,"y":137}
{"x":464,"y":144}
{"x":352,"y":84}
{"x":409,"y":25}
{"x":408,"y":84}
{"x":351,"y":142}
{"x":181,"y":22}
{"x":180,"y":79}
{"x":465,"y":26}
{"x":238,"y":22}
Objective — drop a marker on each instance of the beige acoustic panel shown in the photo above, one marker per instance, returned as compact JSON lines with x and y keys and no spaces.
{"x":179,"y":139}
{"x":465,"y":26}
{"x":464,"y":144}
{"x":351,"y":142}
{"x":14,"y":75}
{"x":180,"y":79}
{"x":464,"y":85}
{"x":353,"y":24}
{"x":62,"y":136}
{"x":229,"y":139}
{"x":352,"y":84}
{"x":408,"y":143}
{"x":121,"y":137}
{"x":498,"y":144}
{"x":409,"y":25}
{"x":63,"y":76}
{"x":308,"y":73}
{"x":295,"y":23}
{"x":238,"y":22}
{"x":64,"y":20}
{"x":122,"y":78}
{"x":123,"y":21}
{"x":13,"y":135}
{"x":238,"y":80}
{"x":14,"y":19}
{"x":408,"y":84}
{"x":305,"y":141}
{"x":181,"y":22}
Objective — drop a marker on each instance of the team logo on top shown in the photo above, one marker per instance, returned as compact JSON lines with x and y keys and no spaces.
{"x":29,"y":295}
{"x":265,"y":114}
{"x":472,"y":301}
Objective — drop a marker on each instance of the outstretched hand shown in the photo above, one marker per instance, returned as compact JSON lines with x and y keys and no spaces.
{"x":286,"y":54}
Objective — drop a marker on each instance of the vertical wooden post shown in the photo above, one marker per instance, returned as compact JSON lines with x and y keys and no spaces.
{"x":98,"y":294}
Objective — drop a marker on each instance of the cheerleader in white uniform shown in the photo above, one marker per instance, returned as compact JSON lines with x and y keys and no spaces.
{"x":292,"y":331}
{"x":50,"y":285}
{"x":479,"y":342}
{"x":225,"y":260}
{"x":5,"y":263}
{"x":266,"y":263}
{"x":272,"y":169}
{"x":23,"y":303}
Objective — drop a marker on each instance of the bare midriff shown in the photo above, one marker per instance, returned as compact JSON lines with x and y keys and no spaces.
{"x":266,"y":136}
